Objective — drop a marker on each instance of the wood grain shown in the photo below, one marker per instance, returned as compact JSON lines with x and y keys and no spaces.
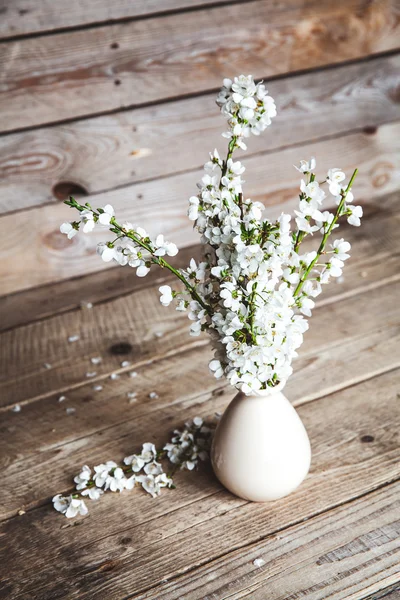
{"x":72,"y":294}
{"x":392,"y":592}
{"x":97,"y":154}
{"x":345,"y":554}
{"x":140,"y":545}
{"x":56,"y":77}
{"x":135,"y":320}
{"x":360,"y":350}
{"x":374,"y":260}
{"x":38,"y":16}
{"x":43,"y":255}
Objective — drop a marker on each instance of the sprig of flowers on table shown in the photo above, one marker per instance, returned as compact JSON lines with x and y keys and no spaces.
{"x":255,"y":287}
{"x":146,"y":469}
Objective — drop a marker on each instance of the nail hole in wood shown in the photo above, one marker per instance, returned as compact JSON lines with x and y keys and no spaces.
{"x":64,"y":189}
{"x":121,"y":348}
{"x":366,"y":439}
{"x":117,"y":82}
{"x":114,"y":45}
{"x":370,"y":130}
{"x":125,"y":540}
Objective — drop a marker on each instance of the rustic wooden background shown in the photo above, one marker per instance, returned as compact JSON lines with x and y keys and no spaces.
{"x":114,"y":100}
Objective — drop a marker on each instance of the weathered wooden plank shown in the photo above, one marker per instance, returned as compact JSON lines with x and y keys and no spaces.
{"x":392,"y":592}
{"x":349,"y":552}
{"x":37,"y":303}
{"x":126,"y":329}
{"x":98,"y":154}
{"x":38,"y":16}
{"x":374,"y":260}
{"x":325,"y":366}
{"x":43,"y":255}
{"x":56,"y":77}
{"x":26,"y":350}
{"x":140,"y":545}
{"x":136,"y":320}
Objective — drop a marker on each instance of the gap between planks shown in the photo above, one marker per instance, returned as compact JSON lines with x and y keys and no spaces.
{"x":251,"y":547}
{"x":200,"y":94}
{"x":244,"y":507}
{"x":162,"y":11}
{"x":153,"y":55}
{"x":48,"y":300}
{"x":200,"y":399}
{"x":181,"y":349}
{"x":377,"y":156}
{"x":364,"y":94}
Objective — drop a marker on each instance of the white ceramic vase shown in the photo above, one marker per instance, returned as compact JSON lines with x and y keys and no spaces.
{"x":261,"y":450}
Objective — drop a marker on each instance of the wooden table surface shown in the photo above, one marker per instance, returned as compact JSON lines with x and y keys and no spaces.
{"x":336,"y":537}
{"x":115,"y":101}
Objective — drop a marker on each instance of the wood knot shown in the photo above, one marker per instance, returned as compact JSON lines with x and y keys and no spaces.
{"x":64,"y":189}
{"x":366,"y":439}
{"x":57,"y":241}
{"x":121,"y":348}
{"x":381,"y":174}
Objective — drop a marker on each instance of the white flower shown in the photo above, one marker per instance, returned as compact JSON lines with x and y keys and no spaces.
{"x":115,"y":481}
{"x":231,"y":295}
{"x":355,"y":213}
{"x":68,"y":229}
{"x":69,"y":506}
{"x":341,"y":248}
{"x":216,"y":367}
{"x":153,"y":484}
{"x":135,"y":461}
{"x":193,"y":211}
{"x":107,"y":254}
{"x":153,"y":468}
{"x":305,"y":305}
{"x":173,"y":452}
{"x":149,"y":452}
{"x":93,"y":493}
{"x":335,"y":266}
{"x":82,"y":479}
{"x":105,"y":217}
{"x":312,"y":190}
{"x":101,"y":472}
{"x":87,"y":218}
{"x":163,"y":247}
{"x":142,"y":270}
{"x":334,"y":179}
{"x":304,"y":224}
{"x":109,"y":476}
{"x":306,"y":166}
{"x":166,"y":295}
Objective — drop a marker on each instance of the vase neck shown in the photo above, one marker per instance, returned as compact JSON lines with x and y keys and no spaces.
{"x":269,"y":392}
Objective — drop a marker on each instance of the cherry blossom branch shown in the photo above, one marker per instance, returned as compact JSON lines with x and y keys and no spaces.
{"x":326,"y":235}
{"x":184,"y":451}
{"x":118,"y":229}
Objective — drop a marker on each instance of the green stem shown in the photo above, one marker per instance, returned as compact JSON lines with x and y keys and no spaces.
{"x":325,"y":237}
{"x":156,"y":259}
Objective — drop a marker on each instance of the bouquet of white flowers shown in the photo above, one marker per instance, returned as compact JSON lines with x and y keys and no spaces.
{"x":255,"y":287}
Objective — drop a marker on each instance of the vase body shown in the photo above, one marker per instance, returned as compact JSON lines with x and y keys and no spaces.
{"x":261,"y":450}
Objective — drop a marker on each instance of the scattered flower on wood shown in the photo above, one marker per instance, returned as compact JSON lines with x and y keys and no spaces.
{"x":73,"y":338}
{"x":255,"y":288}
{"x":146,"y":470}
